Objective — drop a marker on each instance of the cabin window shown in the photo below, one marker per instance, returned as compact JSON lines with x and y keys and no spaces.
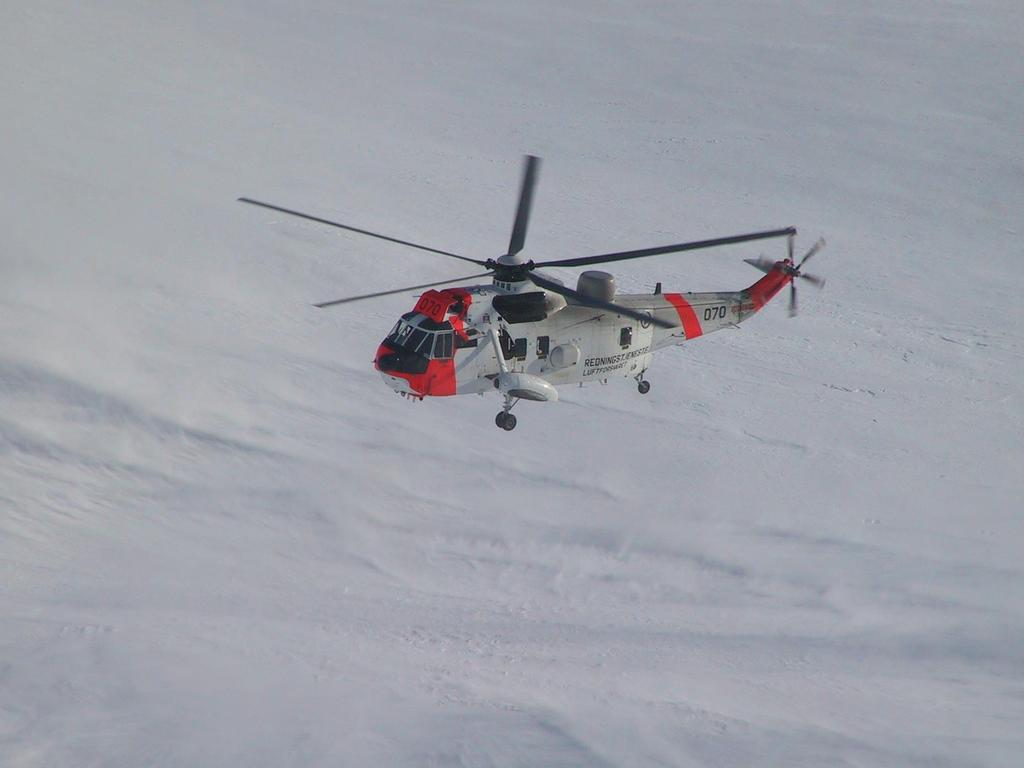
{"x":543,"y":344}
{"x":519,"y":349}
{"x":510,"y":348}
{"x":625,"y":337}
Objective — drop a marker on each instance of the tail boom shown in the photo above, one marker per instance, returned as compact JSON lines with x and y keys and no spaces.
{"x":764,"y":290}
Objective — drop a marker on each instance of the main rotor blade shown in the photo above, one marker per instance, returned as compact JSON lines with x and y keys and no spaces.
{"x":330,"y":223}
{"x":525,"y":201}
{"x":623,"y":255}
{"x":398,"y":290}
{"x":792,"y":298}
{"x":589,"y":301}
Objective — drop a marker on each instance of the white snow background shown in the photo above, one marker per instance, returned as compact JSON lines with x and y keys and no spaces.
{"x":224,"y":542}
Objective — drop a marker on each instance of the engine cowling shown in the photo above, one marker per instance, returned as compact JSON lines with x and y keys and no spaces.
{"x":596,"y":284}
{"x":526,"y":386}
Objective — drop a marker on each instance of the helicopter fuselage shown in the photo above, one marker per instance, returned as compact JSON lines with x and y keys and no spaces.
{"x":461,"y":340}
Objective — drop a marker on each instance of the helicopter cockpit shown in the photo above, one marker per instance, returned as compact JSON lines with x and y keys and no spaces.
{"x":413,"y":342}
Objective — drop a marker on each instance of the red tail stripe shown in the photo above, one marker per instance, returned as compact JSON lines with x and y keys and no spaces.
{"x":764,"y":289}
{"x":691,"y":327}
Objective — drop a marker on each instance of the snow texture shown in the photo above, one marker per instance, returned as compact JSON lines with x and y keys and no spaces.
{"x":223,"y":542}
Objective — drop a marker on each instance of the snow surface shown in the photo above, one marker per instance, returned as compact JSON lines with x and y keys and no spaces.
{"x":223,"y":542}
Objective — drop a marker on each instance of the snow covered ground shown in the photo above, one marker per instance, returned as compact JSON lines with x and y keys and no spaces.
{"x":223,"y":542}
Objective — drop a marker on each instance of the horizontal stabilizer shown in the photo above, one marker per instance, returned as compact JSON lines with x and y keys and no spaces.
{"x":762,"y":263}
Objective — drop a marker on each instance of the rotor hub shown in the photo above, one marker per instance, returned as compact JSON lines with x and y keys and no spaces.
{"x":510,"y":269}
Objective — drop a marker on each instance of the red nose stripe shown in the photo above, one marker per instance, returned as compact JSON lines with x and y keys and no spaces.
{"x":686,"y":315}
{"x":437,"y":381}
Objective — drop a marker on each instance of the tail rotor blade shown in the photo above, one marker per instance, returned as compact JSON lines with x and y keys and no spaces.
{"x":814,"y":249}
{"x":525,"y":201}
{"x":817,"y":282}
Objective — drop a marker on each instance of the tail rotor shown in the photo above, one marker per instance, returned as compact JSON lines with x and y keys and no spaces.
{"x":795,"y":271}
{"x":792,"y":268}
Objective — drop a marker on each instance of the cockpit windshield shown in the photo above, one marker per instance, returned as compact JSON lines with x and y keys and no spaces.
{"x":422,"y":336}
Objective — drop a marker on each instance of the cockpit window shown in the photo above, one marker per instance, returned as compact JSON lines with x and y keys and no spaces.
{"x":443,"y":344}
{"x":422,"y":336}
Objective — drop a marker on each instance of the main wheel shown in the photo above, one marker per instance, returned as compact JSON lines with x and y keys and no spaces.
{"x":510,"y":422}
{"x":500,"y":419}
{"x":643,"y":387}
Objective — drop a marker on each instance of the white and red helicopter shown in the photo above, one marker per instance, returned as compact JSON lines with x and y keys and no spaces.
{"x":524,"y":334}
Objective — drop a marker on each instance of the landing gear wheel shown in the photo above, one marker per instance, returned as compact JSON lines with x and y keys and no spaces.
{"x":506,"y":421}
{"x":643,"y":387}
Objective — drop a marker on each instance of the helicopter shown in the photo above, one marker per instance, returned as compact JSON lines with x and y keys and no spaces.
{"x":525,"y":334}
